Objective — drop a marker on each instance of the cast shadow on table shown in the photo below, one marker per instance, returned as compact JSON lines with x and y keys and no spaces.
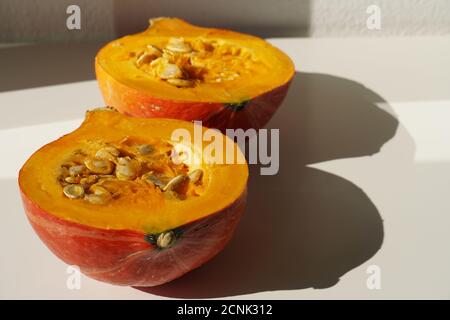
{"x":303,"y":227}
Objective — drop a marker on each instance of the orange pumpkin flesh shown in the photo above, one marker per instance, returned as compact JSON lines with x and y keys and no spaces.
{"x":237,"y":80}
{"x":119,"y":241}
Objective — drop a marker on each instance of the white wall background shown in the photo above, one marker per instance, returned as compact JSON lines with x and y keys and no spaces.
{"x":44,"y":20}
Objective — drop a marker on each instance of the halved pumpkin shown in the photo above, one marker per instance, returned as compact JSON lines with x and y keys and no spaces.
{"x":109,"y":198}
{"x":178,"y":70}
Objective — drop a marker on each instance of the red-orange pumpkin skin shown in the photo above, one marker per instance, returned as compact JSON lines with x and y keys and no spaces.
{"x":254,"y":113}
{"x":124,"y":257}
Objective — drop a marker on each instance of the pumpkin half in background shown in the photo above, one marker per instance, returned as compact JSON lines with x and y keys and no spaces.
{"x":177,"y":70}
{"x":109,"y":199}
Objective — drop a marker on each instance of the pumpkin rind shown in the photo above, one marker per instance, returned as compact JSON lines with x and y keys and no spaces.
{"x":125,"y":256}
{"x":254,"y":111}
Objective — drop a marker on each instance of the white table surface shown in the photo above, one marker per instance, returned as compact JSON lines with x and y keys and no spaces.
{"x":364,"y":180}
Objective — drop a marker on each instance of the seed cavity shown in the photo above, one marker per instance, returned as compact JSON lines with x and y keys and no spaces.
{"x":185,"y":63}
{"x":100,"y":177}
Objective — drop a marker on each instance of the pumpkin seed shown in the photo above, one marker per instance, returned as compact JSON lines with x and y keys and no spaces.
{"x":98,"y":190}
{"x":106,"y":176}
{"x":175,"y":183}
{"x":148,"y":177}
{"x":65,"y":167}
{"x":61,"y":179}
{"x":77,"y":170}
{"x":127,"y":168}
{"x":172,"y":195}
{"x":100,"y":166}
{"x":72,"y":179}
{"x":167,"y":55}
{"x":196,"y":176}
{"x":165,"y":239}
{"x":88,"y":180}
{"x":144,"y":149}
{"x":98,"y":198}
{"x":145,"y":57}
{"x":64,"y":172}
{"x":73,"y":191}
{"x":154,"y":50}
{"x":107,"y":153}
{"x":178,"y":45}
{"x":159,"y":62}
{"x":92,"y":179}
{"x":180,"y":82}
{"x":169,"y":71}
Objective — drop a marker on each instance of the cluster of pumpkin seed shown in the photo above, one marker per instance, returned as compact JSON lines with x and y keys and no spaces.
{"x":183,"y":64}
{"x":89,"y":177}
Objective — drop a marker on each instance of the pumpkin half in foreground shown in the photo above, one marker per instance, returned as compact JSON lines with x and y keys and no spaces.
{"x":109,"y":198}
{"x":177,"y":70}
